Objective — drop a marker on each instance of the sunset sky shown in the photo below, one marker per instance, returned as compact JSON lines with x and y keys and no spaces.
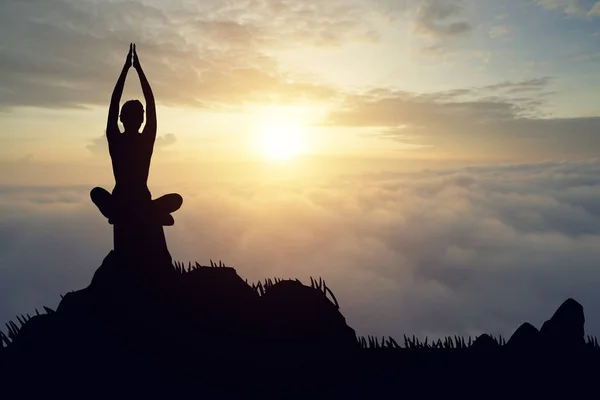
{"x":436,"y":161}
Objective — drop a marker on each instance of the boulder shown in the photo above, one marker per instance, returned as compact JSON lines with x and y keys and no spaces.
{"x":565,"y":330}
{"x":301,"y":318}
{"x":216,"y":302}
{"x":485,"y":343}
{"x":525,"y":338}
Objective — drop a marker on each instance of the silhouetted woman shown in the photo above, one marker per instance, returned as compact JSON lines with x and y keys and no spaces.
{"x":131,"y":152}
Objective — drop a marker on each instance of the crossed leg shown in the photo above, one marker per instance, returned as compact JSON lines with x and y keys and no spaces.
{"x":161,"y":207}
{"x":103,"y":200}
{"x":164,"y":206}
{"x":168,"y":203}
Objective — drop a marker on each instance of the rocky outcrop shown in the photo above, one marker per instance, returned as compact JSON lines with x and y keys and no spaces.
{"x":300,"y":316}
{"x":485,"y":343}
{"x":525,"y":338}
{"x":565,"y":330}
{"x":177,"y":327}
{"x":208,"y":313}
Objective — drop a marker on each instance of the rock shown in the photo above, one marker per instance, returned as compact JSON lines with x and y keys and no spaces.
{"x":75,"y":304}
{"x":119,"y":277}
{"x":565,"y":330}
{"x":214,"y":315}
{"x":525,"y":338}
{"x":208,"y":314}
{"x":217,"y":293}
{"x":302,"y":319}
{"x":485,"y":343}
{"x":106,"y":272}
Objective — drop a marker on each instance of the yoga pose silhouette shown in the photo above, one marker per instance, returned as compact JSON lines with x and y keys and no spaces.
{"x":131,"y":152}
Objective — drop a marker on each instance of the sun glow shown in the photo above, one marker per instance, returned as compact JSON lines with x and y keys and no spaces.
{"x":283,"y":140}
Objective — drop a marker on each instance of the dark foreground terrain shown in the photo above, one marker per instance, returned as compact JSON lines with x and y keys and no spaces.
{"x":161,"y":330}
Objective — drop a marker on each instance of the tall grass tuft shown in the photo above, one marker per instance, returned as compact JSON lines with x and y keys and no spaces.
{"x":412,"y":342}
{"x":181,"y":268}
{"x":13,"y":329}
{"x":448,"y":342}
{"x":262,"y":287}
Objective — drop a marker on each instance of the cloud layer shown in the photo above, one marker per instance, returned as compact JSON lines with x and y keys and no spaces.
{"x":437,"y":252}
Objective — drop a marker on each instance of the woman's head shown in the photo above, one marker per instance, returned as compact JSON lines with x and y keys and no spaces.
{"x":132,"y":115}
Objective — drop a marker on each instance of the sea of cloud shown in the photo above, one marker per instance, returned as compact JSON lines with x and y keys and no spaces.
{"x":453,"y":251}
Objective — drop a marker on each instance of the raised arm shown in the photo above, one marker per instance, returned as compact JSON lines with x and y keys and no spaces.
{"x":150,"y":127}
{"x":112,"y":126}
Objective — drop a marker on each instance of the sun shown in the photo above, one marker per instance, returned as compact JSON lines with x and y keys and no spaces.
{"x":283,"y":140}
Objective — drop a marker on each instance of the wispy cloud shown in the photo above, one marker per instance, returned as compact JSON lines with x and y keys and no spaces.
{"x":66,"y":54}
{"x":475,"y":105}
{"x":499,"y":31}
{"x":441,"y":18}
{"x":530,"y":85}
{"x":595,"y":10}
{"x":503,"y":119}
{"x":575,"y":8}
